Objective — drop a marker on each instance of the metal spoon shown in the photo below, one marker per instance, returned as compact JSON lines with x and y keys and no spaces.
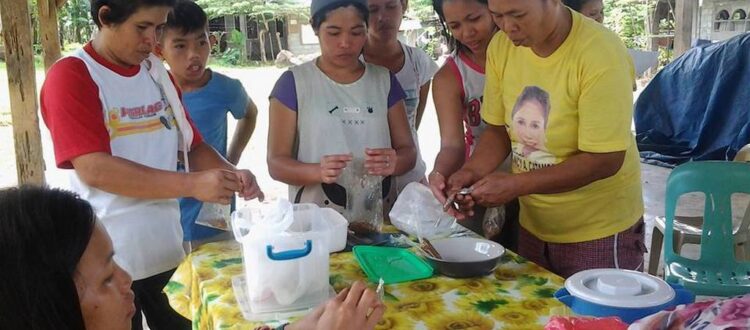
{"x":427,"y":247}
{"x":452,"y":199}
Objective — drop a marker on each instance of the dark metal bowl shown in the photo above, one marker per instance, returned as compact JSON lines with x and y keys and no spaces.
{"x":464,"y":257}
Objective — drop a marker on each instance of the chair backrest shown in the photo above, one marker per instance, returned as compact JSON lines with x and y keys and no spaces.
{"x":743,"y":155}
{"x":718,"y":180}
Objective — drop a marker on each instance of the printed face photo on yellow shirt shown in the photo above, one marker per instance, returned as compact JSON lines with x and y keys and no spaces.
{"x":588,"y":112}
{"x":529,"y":118}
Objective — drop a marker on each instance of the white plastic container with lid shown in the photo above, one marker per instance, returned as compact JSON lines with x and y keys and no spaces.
{"x":309,"y":216}
{"x":627,"y":294}
{"x":285,"y":256}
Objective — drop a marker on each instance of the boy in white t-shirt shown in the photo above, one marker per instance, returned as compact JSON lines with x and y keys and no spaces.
{"x":412,"y":66}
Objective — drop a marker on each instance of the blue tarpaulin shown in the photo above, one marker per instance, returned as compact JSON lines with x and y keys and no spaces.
{"x":698,"y":106}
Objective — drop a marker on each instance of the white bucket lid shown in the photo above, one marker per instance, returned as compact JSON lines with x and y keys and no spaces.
{"x":619,"y":288}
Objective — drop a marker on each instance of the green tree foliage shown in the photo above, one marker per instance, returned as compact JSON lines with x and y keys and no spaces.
{"x":421,"y":9}
{"x":233,"y":55}
{"x":270,"y":9}
{"x":264,"y":13}
{"x":628,"y":18}
{"x":75,"y":21}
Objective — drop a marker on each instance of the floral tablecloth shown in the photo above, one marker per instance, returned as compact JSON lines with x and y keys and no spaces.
{"x":715,"y":313}
{"x":518,"y":295}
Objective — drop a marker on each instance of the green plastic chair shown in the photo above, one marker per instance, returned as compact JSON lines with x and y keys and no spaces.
{"x":717,"y":272}
{"x":688,"y":230}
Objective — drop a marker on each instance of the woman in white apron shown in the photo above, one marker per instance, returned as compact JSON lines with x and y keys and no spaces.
{"x":336,"y":112}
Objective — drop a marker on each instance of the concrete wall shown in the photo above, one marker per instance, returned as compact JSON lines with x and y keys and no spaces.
{"x":726,"y":29}
{"x":302,"y":41}
{"x":299,"y":45}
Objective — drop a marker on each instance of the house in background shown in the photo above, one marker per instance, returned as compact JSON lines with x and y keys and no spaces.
{"x":271,"y":35}
{"x":301,"y":37}
{"x":723,"y":19}
{"x":709,"y":21}
{"x":292,"y":32}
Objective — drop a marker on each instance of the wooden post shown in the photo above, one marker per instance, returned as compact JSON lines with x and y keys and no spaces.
{"x":243,"y":29}
{"x":684,"y":12}
{"x":22,"y":90}
{"x":48,"y":31}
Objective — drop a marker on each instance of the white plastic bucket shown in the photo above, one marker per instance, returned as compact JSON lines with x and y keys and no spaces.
{"x":284,"y":270}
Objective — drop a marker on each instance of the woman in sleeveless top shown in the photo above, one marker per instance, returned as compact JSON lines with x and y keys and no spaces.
{"x":457,"y":92}
{"x":337,"y":111}
{"x":459,"y":84}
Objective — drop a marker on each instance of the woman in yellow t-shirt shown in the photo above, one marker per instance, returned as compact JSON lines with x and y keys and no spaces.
{"x":558,"y":101}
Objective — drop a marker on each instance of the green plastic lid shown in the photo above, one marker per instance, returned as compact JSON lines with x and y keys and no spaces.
{"x":394,"y":265}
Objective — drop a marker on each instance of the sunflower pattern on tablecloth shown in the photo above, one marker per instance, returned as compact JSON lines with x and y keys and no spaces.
{"x":517,"y":295}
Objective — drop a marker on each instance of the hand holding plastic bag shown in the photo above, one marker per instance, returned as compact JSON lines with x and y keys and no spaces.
{"x":215,"y":216}
{"x":272,"y":216}
{"x":364,"y":198}
{"x":417,"y":212}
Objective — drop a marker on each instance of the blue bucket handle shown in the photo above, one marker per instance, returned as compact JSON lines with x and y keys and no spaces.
{"x":564,"y":297}
{"x":289,"y":255}
{"x":682,"y":296}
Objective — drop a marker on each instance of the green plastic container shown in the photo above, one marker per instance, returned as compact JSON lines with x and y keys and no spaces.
{"x":393,"y":265}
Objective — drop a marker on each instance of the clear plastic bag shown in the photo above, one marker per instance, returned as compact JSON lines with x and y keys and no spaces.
{"x":364,"y":198}
{"x":215,"y":216}
{"x":494,"y":219}
{"x":417,"y":212}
